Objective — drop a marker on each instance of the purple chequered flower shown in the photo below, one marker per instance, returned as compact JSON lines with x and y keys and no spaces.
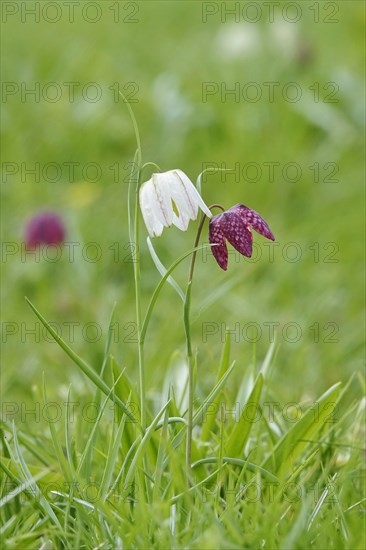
{"x":44,"y":228}
{"x":234,"y":225}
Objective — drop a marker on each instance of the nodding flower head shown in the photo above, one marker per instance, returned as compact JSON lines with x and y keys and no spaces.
{"x":44,"y":228}
{"x":234,"y":225}
{"x":169,"y":198}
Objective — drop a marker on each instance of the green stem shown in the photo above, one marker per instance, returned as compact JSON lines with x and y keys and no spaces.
{"x":187,"y":327}
{"x":137,"y":263}
{"x":190,"y":378}
{"x":137,"y":278}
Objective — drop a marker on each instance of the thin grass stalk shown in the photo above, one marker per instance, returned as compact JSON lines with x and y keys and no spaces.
{"x":137,"y":262}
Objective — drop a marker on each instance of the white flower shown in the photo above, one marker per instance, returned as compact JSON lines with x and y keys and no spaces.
{"x":170,"y":198}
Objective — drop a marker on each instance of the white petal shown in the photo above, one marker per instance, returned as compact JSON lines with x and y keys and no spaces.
{"x":181,"y":221}
{"x":181,"y":195}
{"x":194,"y":199}
{"x":156,"y":201}
{"x":163,"y":204}
{"x":148,"y":208}
{"x":184,"y":211}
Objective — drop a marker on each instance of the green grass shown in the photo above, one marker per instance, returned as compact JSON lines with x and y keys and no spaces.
{"x":258,"y":477}
{"x":76,"y":472}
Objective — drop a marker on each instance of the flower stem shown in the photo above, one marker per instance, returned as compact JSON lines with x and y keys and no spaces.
{"x":190,"y":378}
{"x":134,"y":233}
{"x":137,"y":278}
{"x":187,"y":327}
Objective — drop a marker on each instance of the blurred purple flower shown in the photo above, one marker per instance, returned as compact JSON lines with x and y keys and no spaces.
{"x":234,"y":226}
{"x":44,"y":228}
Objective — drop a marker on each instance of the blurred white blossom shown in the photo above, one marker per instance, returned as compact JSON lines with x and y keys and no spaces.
{"x":236,"y":40}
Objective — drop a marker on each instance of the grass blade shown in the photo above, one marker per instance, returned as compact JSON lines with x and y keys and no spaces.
{"x":201,"y":414}
{"x":162,"y":270}
{"x":145,"y":440}
{"x":288,"y":449}
{"x":42,"y":501}
{"x":207,"y":427}
{"x":239,"y":436}
{"x":87,"y":369}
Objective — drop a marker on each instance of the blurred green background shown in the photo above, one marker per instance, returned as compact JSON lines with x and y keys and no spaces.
{"x":162,"y":55}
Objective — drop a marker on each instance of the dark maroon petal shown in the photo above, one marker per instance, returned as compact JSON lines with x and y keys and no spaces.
{"x":237,"y":233}
{"x":252,"y":218}
{"x":216,"y":236}
{"x":45,"y":228}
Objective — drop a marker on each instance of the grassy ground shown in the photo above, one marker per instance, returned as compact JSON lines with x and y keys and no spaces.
{"x":292,"y":129}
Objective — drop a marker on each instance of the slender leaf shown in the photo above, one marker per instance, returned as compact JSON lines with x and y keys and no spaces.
{"x":145,"y":440}
{"x":288,"y":449}
{"x":162,"y":270}
{"x":201,"y":413}
{"x":239,"y":436}
{"x":207,"y":427}
{"x":40,"y":499}
{"x":87,"y":369}
{"x":237,"y":462}
{"x":160,"y":286}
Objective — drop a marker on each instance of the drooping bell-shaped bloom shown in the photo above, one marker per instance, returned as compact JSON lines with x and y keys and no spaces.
{"x":44,"y":228}
{"x":234,"y":225}
{"x":169,"y":198}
